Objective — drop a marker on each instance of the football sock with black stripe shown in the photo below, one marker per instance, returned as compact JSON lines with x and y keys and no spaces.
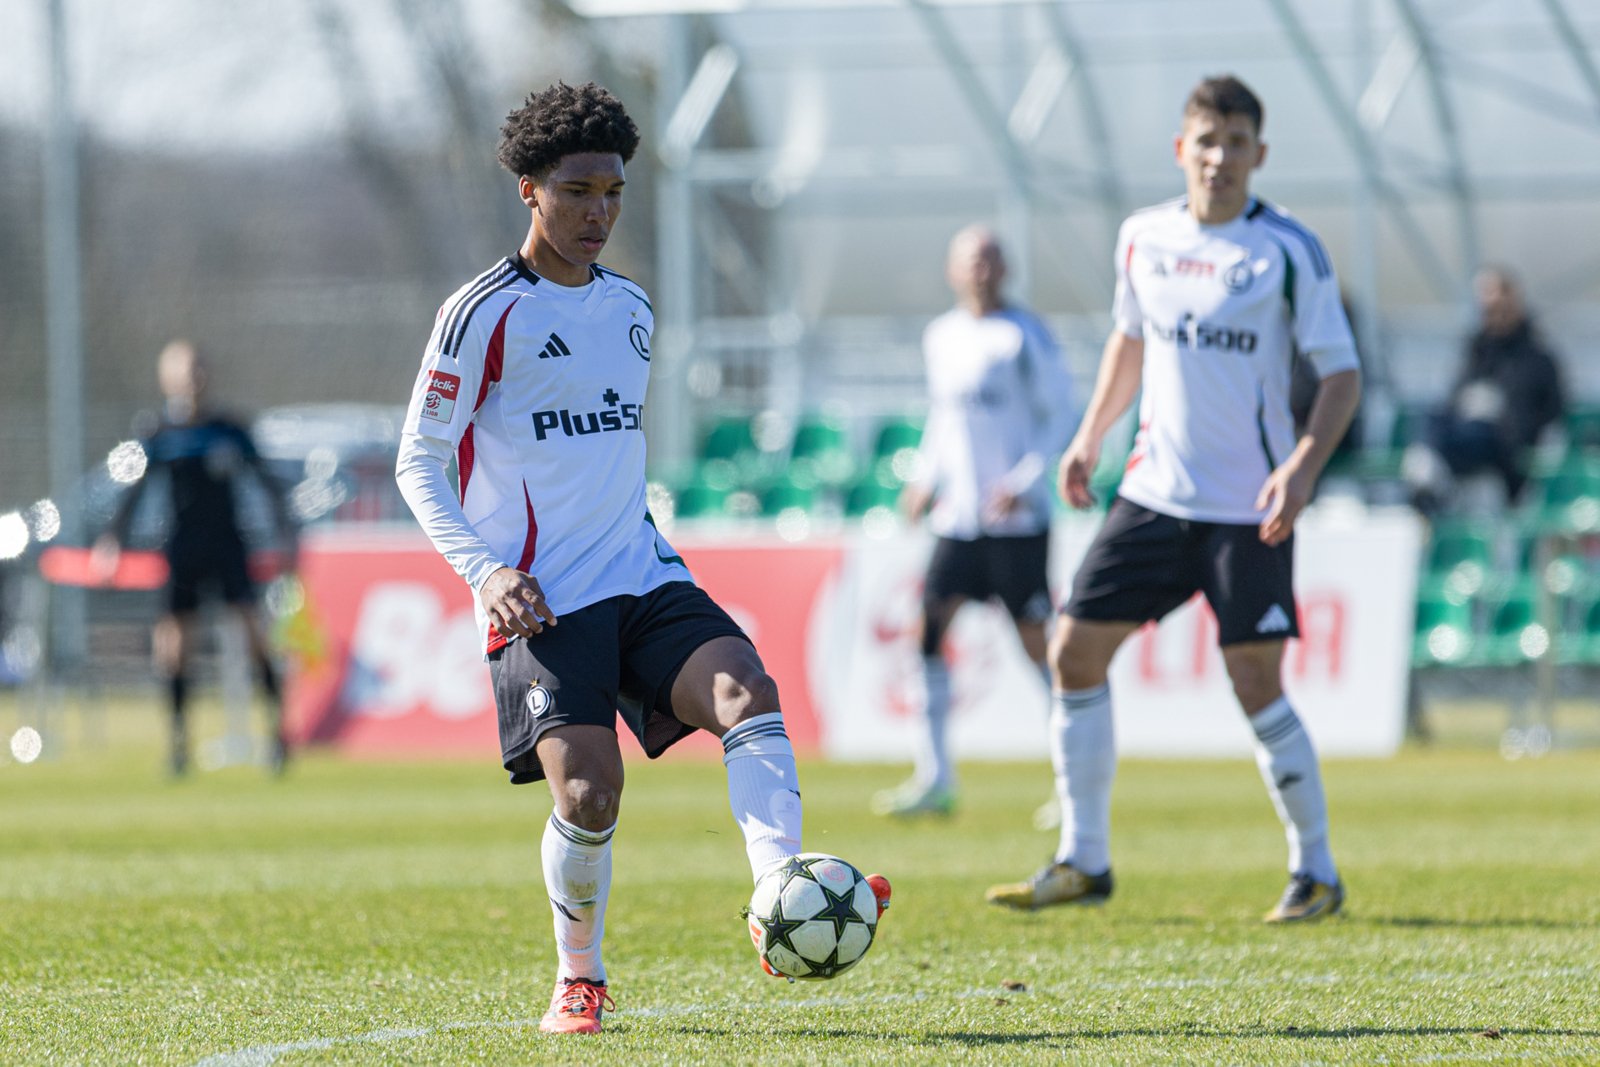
{"x":1289,"y":768}
{"x":763,"y":790}
{"x":577,"y":877}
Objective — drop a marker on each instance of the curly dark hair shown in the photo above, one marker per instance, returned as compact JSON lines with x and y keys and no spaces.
{"x":560,"y":121}
{"x":1226,"y":95}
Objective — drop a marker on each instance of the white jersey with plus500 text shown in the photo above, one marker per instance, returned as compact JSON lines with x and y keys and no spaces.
{"x":1000,"y":405}
{"x":538,"y":389}
{"x":1221,"y":310}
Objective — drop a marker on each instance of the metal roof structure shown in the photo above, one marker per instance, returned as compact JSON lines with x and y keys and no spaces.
{"x":816,"y":155}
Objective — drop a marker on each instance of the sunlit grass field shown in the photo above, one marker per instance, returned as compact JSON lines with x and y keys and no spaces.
{"x":394,"y":913}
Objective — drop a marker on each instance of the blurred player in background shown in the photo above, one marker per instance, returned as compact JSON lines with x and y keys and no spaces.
{"x":534,"y":382}
{"x":1214,"y":293}
{"x":202,"y":453}
{"x":1000,"y":406}
{"x":1507,"y":391}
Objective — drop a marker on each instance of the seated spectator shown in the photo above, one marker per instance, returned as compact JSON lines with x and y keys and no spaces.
{"x":1508,"y":391}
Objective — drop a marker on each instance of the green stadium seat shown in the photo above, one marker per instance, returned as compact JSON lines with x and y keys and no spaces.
{"x":699,"y":500}
{"x":1407,"y":427}
{"x":1583,"y":428}
{"x":781,"y":496}
{"x":1443,"y":634}
{"x":1461,"y":555}
{"x":729,"y":438}
{"x":1589,"y":650}
{"x":868,"y":493}
{"x":821,"y":453}
{"x":1569,"y":500}
{"x":896,"y":434}
{"x":1516,"y":634}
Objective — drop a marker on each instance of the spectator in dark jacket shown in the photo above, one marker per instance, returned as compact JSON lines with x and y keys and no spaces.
{"x":1508,"y":391}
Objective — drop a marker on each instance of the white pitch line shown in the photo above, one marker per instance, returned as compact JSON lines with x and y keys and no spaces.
{"x":265,"y":1055}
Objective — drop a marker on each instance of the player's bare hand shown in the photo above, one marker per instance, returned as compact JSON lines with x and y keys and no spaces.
{"x":1001,"y":503}
{"x":1077,"y":466}
{"x":1285,"y":494}
{"x":515,"y":603}
{"x":914,"y":501}
{"x":103,"y":560}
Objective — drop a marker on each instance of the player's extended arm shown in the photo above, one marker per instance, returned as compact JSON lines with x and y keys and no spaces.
{"x":277,"y":493}
{"x":1116,"y":384}
{"x":1287,"y":490}
{"x":513,"y":599}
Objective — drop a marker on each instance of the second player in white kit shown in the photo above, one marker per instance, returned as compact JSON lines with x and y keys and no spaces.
{"x":1215,"y":292}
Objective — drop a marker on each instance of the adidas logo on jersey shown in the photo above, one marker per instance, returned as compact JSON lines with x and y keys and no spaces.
{"x":554,"y":349}
{"x":1275,"y":621}
{"x":614,"y":416}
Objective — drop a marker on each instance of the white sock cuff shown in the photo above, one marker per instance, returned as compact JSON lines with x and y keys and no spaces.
{"x":762,"y":735}
{"x":1275,"y":722}
{"x":1072,"y":700}
{"x":577,"y":835}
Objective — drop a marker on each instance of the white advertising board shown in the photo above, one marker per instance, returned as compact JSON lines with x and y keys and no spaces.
{"x":1355,"y":573}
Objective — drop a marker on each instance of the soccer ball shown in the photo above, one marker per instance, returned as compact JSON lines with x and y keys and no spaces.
{"x":814,"y":917}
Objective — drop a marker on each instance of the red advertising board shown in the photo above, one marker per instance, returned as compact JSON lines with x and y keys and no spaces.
{"x":390,"y":661}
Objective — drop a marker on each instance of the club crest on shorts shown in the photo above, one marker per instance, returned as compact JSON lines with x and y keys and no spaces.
{"x":539,"y":700}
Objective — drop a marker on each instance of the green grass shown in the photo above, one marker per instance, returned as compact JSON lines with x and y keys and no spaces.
{"x":388,"y":913}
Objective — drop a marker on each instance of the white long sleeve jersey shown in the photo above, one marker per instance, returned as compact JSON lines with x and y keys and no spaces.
{"x":1221,"y":310}
{"x":1000,"y":405}
{"x":537,"y":390}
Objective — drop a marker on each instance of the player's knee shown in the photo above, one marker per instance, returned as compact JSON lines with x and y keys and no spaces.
{"x":743,"y":693}
{"x":589,"y":803}
{"x":1255,"y":683}
{"x":1074,"y":663}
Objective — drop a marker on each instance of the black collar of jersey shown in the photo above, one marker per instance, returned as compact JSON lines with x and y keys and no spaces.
{"x":520,"y":265}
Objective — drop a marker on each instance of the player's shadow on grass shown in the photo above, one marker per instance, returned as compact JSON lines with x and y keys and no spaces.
{"x":1425,"y":922}
{"x":1067,"y":1038}
{"x":1408,"y":1031}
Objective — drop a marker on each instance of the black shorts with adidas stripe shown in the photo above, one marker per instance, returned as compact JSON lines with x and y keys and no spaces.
{"x":619,"y":655}
{"x":1143,"y":564}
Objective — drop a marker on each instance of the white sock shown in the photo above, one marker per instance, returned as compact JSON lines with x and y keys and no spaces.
{"x":1289,"y":768}
{"x":577,"y":876}
{"x":1085,"y":757}
{"x":933,"y":767}
{"x":763,"y":790}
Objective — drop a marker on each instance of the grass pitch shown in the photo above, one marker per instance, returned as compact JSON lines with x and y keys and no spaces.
{"x":386,"y":913}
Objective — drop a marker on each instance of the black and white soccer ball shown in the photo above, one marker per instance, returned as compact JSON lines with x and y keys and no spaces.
{"x":814,"y":917}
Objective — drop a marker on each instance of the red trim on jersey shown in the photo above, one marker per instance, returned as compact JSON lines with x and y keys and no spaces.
{"x":1140,"y":443}
{"x":464,"y":453}
{"x":1127,"y":266}
{"x":529,"y":546}
{"x":494,"y":361}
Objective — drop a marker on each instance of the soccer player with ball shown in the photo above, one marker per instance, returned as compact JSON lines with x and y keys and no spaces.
{"x":1214,"y":293}
{"x":534,"y":381}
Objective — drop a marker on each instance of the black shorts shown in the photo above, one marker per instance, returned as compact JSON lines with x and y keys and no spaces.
{"x":1143,"y":564}
{"x":1014,"y":570}
{"x":217,"y":568}
{"x":619,"y":655}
